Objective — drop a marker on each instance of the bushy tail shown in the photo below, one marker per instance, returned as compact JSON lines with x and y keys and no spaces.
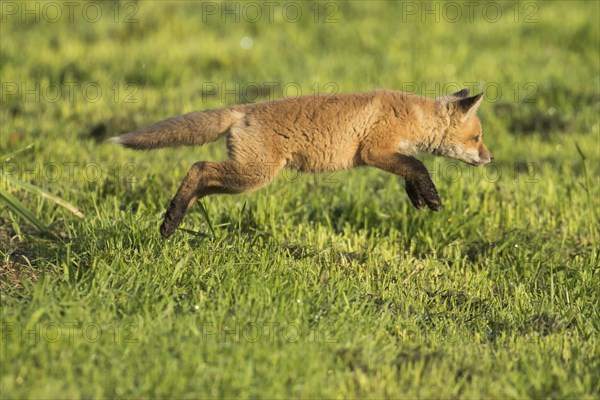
{"x":195,"y":128}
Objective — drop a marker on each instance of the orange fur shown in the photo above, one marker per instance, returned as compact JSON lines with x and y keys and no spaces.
{"x":383,"y":128}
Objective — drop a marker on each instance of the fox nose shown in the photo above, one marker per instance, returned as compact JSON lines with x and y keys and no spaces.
{"x":491,"y":156}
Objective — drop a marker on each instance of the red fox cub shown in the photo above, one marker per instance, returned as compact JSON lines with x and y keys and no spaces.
{"x":384,"y":129}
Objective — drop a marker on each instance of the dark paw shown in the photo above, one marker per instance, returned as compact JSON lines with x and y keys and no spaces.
{"x":173,"y":218}
{"x":166,"y":229}
{"x":423,"y":193}
{"x":414,"y":195}
{"x":435,"y":204}
{"x":432,"y":199}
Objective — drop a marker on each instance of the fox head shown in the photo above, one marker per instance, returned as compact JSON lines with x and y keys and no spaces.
{"x":463,"y":139}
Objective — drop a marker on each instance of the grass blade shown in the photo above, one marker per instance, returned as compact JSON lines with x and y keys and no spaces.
{"x":18,"y":208}
{"x":8,"y":156}
{"x":206,"y":217}
{"x":41,"y":192}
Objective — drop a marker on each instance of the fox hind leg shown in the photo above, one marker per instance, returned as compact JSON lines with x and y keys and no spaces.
{"x":205,"y":178}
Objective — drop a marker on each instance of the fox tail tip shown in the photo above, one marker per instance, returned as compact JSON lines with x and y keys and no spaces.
{"x":116,"y":140}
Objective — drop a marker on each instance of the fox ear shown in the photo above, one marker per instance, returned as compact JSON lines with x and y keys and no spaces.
{"x":461,"y":94}
{"x":468,"y":106}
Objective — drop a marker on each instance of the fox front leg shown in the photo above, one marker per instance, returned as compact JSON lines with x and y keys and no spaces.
{"x":419,"y":186}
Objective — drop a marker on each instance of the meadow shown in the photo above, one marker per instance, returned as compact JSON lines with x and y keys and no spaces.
{"x":318,"y":286}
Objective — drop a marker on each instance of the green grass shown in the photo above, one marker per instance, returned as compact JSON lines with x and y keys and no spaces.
{"x":331,"y":286}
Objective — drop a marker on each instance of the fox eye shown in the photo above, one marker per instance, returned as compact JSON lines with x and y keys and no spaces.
{"x":476,"y":138}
